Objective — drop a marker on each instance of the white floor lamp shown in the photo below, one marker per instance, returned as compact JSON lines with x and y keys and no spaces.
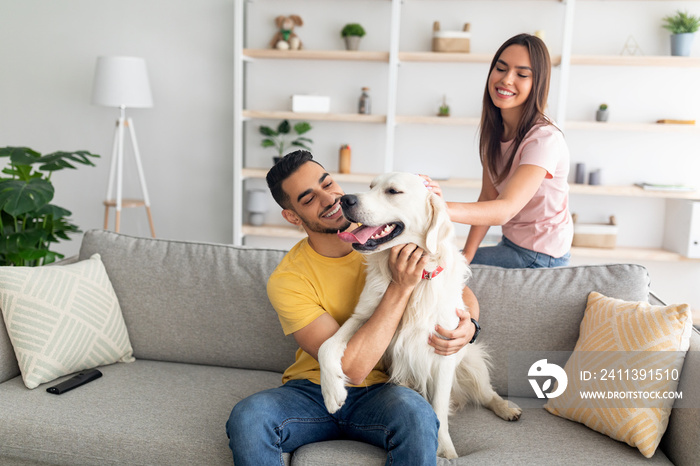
{"x":123,"y":82}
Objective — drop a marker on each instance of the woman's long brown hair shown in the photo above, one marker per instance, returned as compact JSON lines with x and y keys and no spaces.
{"x":491,"y":126}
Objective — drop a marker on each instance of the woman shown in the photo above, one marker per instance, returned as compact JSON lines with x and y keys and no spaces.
{"x":525,"y":166}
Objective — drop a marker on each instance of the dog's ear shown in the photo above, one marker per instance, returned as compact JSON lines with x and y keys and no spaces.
{"x":440,"y":224}
{"x":297,"y":20}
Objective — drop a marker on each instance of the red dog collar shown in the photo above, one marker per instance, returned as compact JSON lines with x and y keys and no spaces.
{"x":430,"y":275}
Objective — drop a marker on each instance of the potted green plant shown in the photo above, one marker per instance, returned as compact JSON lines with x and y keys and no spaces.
{"x":29,"y":224}
{"x":683,"y":27}
{"x":279,"y":138}
{"x":602,"y":113}
{"x":352,"y":32}
{"x":444,"y":110}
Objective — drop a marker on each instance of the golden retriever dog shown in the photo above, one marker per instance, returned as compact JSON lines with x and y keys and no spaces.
{"x":399,"y":209}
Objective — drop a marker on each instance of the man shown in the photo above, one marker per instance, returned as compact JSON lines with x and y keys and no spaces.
{"x":314,"y":290}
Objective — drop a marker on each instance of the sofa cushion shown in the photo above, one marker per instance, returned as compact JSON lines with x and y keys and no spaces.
{"x":62,"y":319}
{"x":482,"y":438}
{"x":216,"y":292}
{"x":146,"y":412}
{"x":618,"y":340}
{"x":528,"y":310}
{"x":156,"y":408}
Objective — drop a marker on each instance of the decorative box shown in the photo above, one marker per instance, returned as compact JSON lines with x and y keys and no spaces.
{"x":311,"y":104}
{"x":451,"y":41}
{"x":595,"y":235}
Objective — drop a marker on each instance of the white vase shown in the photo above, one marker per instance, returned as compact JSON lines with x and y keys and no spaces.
{"x":352,"y":42}
{"x":681,"y":44}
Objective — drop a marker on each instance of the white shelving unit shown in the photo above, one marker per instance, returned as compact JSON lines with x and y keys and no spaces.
{"x":393,"y":58}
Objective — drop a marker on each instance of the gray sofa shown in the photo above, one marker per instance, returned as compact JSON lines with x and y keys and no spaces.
{"x":205,"y":336}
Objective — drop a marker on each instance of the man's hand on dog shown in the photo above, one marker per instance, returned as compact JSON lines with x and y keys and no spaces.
{"x":453,"y":340}
{"x":406,"y":263}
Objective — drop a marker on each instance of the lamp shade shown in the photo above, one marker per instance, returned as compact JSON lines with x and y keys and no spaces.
{"x":121,"y":82}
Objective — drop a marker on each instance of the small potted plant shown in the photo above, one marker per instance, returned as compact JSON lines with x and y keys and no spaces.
{"x":444,"y":110}
{"x":683,"y":27}
{"x":602,"y":113}
{"x":279,"y":138}
{"x":352,"y":32}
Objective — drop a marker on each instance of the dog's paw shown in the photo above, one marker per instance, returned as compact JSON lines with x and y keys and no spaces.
{"x":447,"y":452}
{"x":334,"y":393}
{"x":509,"y":411}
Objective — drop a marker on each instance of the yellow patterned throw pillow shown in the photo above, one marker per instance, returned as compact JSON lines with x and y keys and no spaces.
{"x":624,"y":370}
{"x":62,"y":319}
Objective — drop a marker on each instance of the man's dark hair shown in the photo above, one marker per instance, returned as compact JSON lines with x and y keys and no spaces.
{"x":282,"y":170}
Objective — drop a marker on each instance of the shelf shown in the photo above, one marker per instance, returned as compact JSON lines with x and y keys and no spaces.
{"x":364,"y":178}
{"x":440,"y":57}
{"x":639,"y":127}
{"x":436,"y":120}
{"x":287,"y":115}
{"x":635,"y":60}
{"x":585,"y":189}
{"x":343,"y":55}
{"x":639,"y":254}
{"x":277,"y":231}
{"x":461,"y":121}
{"x":630,"y":191}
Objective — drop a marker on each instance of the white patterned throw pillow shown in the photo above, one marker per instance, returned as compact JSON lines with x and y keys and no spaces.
{"x":62,"y":319}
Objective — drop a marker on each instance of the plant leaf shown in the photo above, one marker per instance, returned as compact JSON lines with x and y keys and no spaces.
{"x":20,"y":155}
{"x":284,"y":127}
{"x":18,"y":197}
{"x":267,"y":143}
{"x":267,"y":131}
{"x":59,"y":160}
{"x":302,"y":127}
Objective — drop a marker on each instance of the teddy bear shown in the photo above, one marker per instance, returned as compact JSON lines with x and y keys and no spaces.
{"x":285,"y":38}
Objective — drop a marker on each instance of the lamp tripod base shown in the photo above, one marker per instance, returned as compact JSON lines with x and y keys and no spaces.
{"x":115,"y":176}
{"x":127,"y":203}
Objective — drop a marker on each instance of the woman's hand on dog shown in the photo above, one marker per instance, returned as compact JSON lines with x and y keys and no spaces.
{"x":453,"y":340}
{"x":431,"y":185}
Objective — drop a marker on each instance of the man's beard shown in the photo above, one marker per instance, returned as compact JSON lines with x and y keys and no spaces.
{"x":317,"y":227}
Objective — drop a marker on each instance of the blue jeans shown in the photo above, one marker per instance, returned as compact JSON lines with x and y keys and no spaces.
{"x":511,"y":256}
{"x":280,"y":420}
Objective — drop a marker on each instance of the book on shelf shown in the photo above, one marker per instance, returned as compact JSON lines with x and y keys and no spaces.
{"x":665,"y":187}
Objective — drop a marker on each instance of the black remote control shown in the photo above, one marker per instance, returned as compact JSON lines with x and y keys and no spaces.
{"x":76,"y":381}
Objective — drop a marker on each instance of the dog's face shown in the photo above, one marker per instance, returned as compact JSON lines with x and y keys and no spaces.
{"x":398,"y":209}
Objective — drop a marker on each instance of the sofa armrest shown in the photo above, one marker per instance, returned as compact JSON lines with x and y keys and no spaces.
{"x":681,"y":442}
{"x":655,"y":300}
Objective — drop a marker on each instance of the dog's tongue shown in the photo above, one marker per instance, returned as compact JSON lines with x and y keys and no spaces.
{"x":359,"y":235}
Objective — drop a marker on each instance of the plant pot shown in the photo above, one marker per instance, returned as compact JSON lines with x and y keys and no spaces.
{"x":681,"y":44}
{"x":352,"y":42}
{"x":601,"y":115}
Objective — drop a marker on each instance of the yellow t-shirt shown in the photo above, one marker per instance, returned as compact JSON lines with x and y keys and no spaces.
{"x":305,"y":285}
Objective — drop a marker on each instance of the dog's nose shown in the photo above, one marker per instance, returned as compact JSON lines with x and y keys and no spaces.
{"x":348,"y":201}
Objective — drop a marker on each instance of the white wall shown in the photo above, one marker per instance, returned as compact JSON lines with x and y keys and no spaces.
{"x":49,"y":52}
{"x":48,"y":58}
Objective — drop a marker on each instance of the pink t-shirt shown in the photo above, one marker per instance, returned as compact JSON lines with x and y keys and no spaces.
{"x":544,"y":224}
